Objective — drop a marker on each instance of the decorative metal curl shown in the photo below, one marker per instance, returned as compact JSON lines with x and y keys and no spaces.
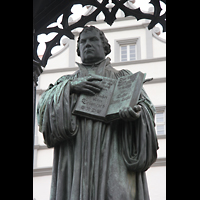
{"x":109,"y":9}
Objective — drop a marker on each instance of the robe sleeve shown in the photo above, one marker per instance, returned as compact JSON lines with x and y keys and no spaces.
{"x":139,"y":141}
{"x":54,"y":113}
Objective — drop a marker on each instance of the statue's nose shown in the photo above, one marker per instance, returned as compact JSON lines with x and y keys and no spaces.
{"x":88,"y":44}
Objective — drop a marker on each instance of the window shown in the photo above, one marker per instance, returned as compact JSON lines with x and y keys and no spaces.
{"x":128,"y":52}
{"x":160,"y":123}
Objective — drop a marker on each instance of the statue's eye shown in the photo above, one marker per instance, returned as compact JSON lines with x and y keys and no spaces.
{"x":83,"y":41}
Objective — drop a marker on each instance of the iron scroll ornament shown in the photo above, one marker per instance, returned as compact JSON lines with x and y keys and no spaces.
{"x":110,"y":17}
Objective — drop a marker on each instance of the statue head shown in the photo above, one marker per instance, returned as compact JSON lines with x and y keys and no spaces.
{"x":92,"y":45}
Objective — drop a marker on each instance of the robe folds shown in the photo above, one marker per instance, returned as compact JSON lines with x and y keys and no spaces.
{"x":94,"y":160}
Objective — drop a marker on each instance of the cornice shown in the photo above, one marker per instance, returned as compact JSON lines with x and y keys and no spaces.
{"x":115,"y":29}
{"x":114,"y":64}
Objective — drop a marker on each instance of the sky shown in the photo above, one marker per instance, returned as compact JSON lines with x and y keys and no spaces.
{"x":77,"y":11}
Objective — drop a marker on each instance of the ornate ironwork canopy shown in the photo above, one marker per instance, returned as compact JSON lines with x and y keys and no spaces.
{"x":46,"y":12}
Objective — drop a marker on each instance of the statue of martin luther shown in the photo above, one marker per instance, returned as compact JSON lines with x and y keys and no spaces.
{"x":94,"y":160}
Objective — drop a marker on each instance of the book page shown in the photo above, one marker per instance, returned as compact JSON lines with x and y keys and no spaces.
{"x":126,"y":92}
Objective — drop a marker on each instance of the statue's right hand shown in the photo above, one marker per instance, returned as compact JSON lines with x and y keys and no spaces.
{"x":85,"y":86}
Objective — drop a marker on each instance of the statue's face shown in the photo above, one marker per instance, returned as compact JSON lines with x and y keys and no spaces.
{"x":91,"y":47}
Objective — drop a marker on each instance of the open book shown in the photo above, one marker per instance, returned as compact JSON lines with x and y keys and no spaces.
{"x":116,"y":93}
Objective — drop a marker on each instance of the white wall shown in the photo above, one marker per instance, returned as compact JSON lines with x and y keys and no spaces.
{"x":44,"y":158}
{"x":157,"y":93}
{"x":41,"y":187}
{"x":159,"y":48}
{"x":156,"y":179}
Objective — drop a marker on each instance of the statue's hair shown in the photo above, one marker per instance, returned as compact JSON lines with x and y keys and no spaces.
{"x":104,"y":40}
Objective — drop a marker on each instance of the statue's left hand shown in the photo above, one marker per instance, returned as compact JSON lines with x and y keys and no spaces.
{"x":130,"y":114}
{"x":85,"y":86}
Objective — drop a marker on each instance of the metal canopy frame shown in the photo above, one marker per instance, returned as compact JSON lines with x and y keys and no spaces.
{"x":47,"y":12}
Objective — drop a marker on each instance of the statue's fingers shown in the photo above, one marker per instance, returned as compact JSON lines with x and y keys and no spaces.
{"x":94,"y":85}
{"x":121,"y":113}
{"x":136,"y":108}
{"x":94,"y":79}
{"x":127,"y":114}
{"x":88,"y":91}
{"x":134,"y":114}
{"x":93,"y":88}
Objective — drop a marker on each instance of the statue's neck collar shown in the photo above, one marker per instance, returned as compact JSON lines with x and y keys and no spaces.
{"x":96,"y":63}
{"x":93,"y":64}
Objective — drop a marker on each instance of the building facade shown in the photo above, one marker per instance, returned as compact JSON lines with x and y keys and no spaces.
{"x":133,"y":47}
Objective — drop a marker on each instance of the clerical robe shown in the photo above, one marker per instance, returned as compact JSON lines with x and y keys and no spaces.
{"x":94,"y":160}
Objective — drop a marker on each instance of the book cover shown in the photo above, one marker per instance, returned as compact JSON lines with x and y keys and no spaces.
{"x":116,"y":93}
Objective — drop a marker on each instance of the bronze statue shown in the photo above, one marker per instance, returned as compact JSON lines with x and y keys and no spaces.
{"x":94,"y":160}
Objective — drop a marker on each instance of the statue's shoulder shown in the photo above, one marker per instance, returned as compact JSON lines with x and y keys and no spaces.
{"x":64,"y":78}
{"x":119,"y":73}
